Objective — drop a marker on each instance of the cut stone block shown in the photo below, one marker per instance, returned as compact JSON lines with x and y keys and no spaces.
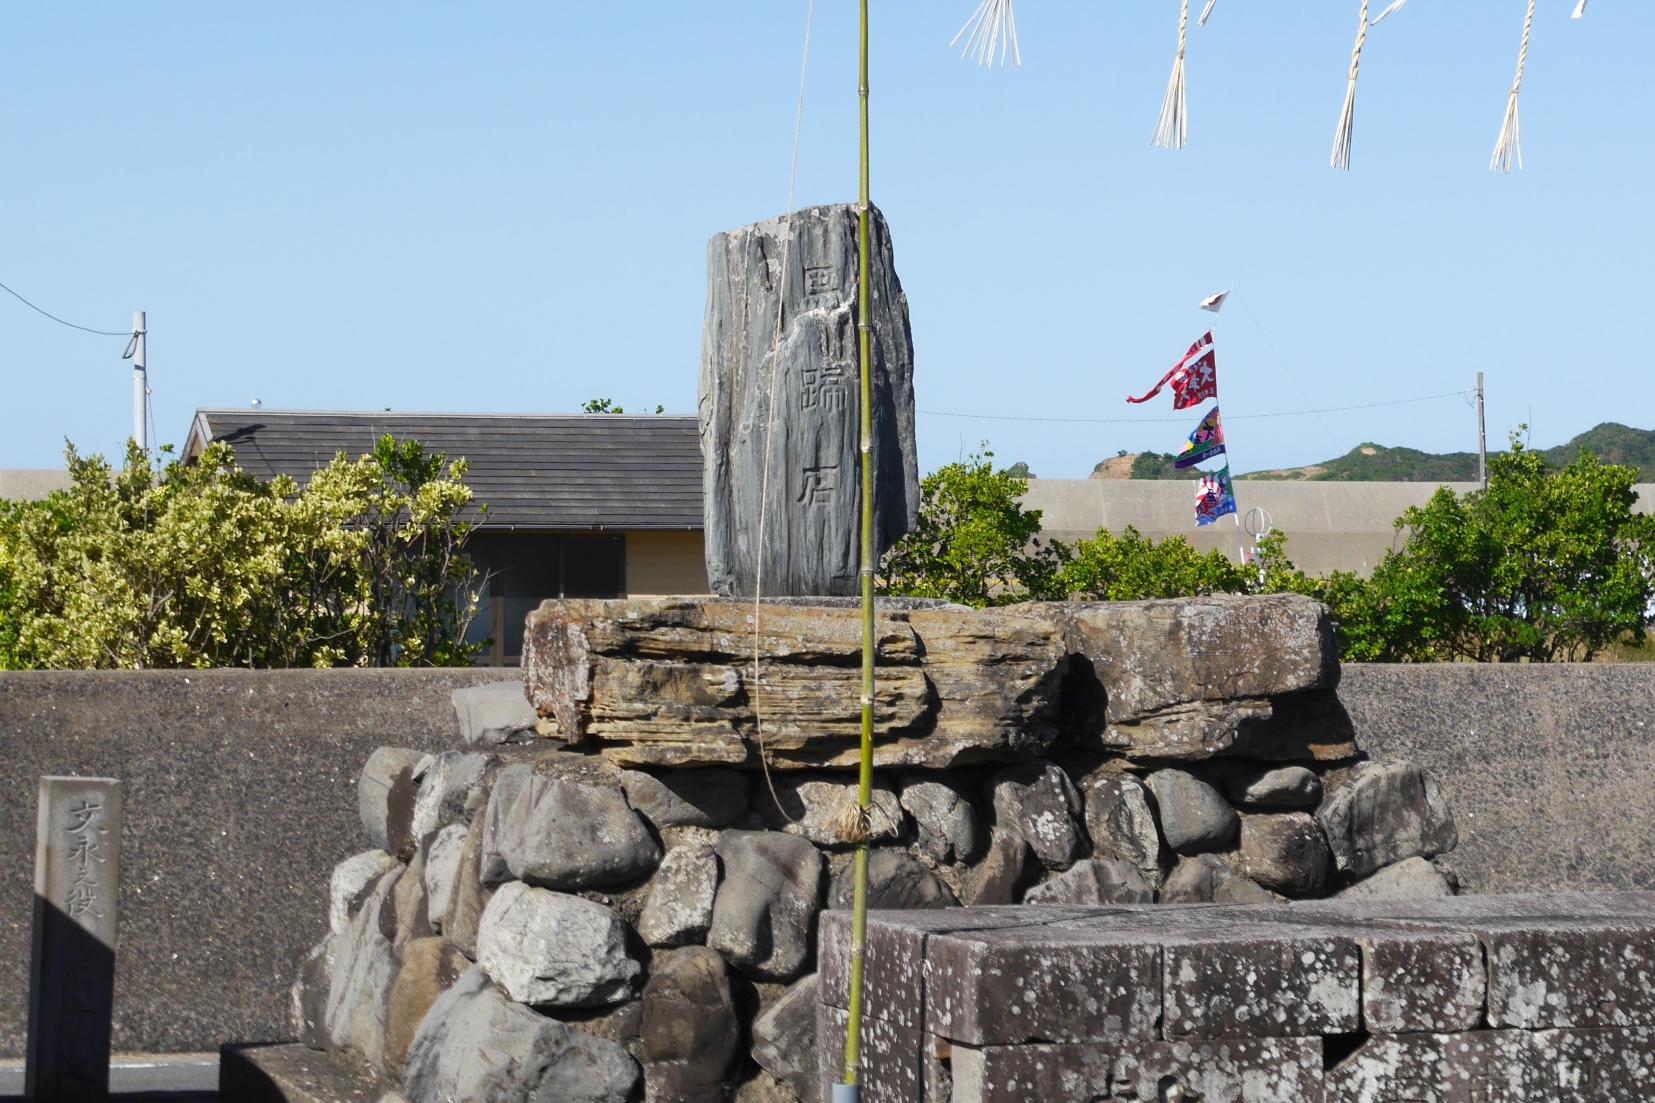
{"x":1596,"y":975}
{"x":893,"y":1057}
{"x":1427,"y":983}
{"x":1262,"y":987}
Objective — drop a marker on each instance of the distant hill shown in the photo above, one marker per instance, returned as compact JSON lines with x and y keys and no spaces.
{"x":1369,"y":462}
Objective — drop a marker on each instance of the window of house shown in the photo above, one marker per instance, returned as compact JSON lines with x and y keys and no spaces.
{"x":525,"y":569}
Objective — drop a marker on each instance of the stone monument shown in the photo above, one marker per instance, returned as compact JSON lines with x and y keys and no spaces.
{"x":72,"y":976}
{"x":806,"y":266}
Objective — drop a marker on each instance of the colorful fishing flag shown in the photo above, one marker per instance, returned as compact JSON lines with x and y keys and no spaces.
{"x":1206,"y":442}
{"x":1214,"y":497}
{"x":1194,"y":378}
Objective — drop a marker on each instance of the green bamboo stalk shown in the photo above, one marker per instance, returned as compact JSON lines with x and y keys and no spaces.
{"x":864,"y":792}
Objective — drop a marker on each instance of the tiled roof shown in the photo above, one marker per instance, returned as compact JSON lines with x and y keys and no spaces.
{"x":535,"y":471}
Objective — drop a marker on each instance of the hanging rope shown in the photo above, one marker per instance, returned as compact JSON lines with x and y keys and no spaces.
{"x":1347,"y":116}
{"x":1173,"y":129}
{"x":1509,"y":148}
{"x":992,"y":25}
{"x":770,"y":416}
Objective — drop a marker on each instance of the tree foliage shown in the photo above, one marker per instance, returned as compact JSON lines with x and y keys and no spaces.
{"x":1543,"y":565}
{"x":974,"y":543}
{"x":202,"y":565}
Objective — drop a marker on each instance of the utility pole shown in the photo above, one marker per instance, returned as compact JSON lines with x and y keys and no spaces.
{"x":137,"y":351}
{"x":1482,"y":436}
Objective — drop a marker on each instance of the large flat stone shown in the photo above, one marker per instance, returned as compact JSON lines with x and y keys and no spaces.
{"x":670,"y":682}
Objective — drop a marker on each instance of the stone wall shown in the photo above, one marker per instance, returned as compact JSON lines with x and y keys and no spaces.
{"x":239,"y":799}
{"x":634,"y":903}
{"x":1510,"y":999}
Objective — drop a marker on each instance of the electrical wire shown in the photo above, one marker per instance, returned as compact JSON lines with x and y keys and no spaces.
{"x":63,"y":322}
{"x":1227,"y":417}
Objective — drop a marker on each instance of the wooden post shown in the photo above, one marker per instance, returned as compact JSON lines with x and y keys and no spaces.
{"x":77,"y":875}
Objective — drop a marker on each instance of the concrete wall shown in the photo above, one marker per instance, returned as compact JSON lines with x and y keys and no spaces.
{"x":1330,"y":526}
{"x":240,"y":798}
{"x":659,"y":563}
{"x":1550,"y":769}
{"x":29,"y":484}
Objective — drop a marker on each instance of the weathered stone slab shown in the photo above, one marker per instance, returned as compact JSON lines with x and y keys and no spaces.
{"x":790,"y":399}
{"x":1277,"y":1070}
{"x":1268,"y":986}
{"x":77,"y":876}
{"x":1046,"y":988}
{"x":1218,"y":648}
{"x":1426,"y":983}
{"x":1437,"y":1068}
{"x":670,"y":682}
{"x":893,"y":1057}
{"x":1575,"y":1066}
{"x":1593,"y":975}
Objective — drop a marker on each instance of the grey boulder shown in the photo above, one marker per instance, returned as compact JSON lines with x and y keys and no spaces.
{"x":1383,"y":814}
{"x":359,"y":984}
{"x":945,"y":825}
{"x":551,"y":950}
{"x":784,"y":1040}
{"x":1121,"y":824}
{"x":680,"y":905}
{"x":1095,"y":881}
{"x":818,"y":807}
{"x":687,"y":798}
{"x":385,"y":793}
{"x":1286,"y":852}
{"x":764,"y":915}
{"x":348,"y":880}
{"x":1411,"y":878}
{"x":1282,"y":787}
{"x":453,"y":789}
{"x":563,"y":835}
{"x":895,"y":881}
{"x":690,"y":1027}
{"x":444,"y":854}
{"x":494,"y":714}
{"x":1036,"y":801}
{"x":476,"y":1044}
{"x":1206,"y":879}
{"x":1194,"y":818}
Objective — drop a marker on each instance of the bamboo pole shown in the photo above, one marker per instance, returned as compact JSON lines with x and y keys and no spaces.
{"x":848,"y":1091}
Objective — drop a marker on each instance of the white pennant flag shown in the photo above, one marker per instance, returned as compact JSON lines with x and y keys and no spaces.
{"x":1580,"y":10}
{"x":1215,"y":302}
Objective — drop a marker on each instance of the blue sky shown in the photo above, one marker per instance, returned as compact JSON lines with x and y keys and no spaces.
{"x":505,"y":207}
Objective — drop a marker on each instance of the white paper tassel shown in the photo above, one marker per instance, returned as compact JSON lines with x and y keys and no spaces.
{"x":1580,"y":10}
{"x":992,"y":26}
{"x":1173,"y":130}
{"x":1206,"y":12}
{"x":1347,"y":116}
{"x":1509,"y":147}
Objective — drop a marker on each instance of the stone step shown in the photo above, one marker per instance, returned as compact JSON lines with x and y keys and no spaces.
{"x":297,"y":1074}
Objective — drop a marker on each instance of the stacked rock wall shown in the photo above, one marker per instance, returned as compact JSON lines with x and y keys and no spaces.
{"x":631,"y":906}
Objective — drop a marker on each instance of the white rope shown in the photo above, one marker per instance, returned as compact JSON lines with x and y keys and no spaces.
{"x":992,"y":26}
{"x":1509,"y":147}
{"x":1347,"y":116}
{"x":1173,"y":130}
{"x":770,"y":409}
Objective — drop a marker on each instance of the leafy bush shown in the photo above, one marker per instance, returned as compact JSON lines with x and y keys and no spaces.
{"x":203,"y":565}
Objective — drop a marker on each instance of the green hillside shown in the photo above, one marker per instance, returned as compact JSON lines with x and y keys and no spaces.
{"x":1369,"y":462}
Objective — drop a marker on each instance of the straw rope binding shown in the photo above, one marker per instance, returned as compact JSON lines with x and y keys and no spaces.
{"x":992,"y":26}
{"x":1509,"y":147}
{"x":1173,"y":130}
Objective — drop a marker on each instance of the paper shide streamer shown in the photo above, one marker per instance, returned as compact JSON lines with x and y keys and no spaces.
{"x":992,"y":26}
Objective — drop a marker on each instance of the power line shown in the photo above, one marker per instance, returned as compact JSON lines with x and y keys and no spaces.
{"x":1227,"y":417}
{"x":63,"y":322}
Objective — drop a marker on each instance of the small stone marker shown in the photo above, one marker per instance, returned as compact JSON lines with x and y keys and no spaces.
{"x":77,"y":876}
{"x":813,"y":493}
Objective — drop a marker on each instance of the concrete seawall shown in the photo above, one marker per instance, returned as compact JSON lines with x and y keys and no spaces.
{"x":240,"y":800}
